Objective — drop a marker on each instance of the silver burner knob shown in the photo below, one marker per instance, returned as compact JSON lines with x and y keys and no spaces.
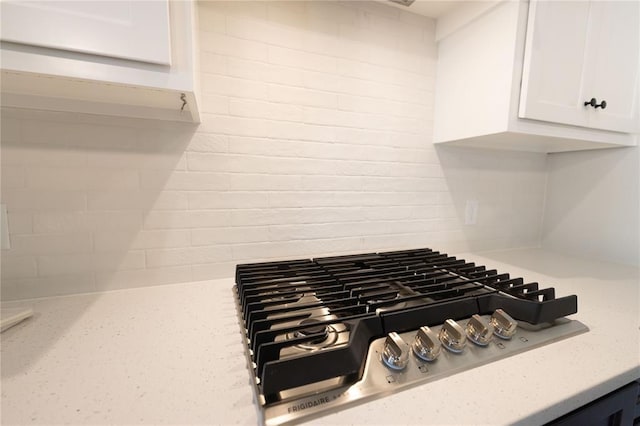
{"x":479,"y":331}
{"x":452,"y":336}
{"x":426,"y":346}
{"x":505,"y":326}
{"x":396,"y":352}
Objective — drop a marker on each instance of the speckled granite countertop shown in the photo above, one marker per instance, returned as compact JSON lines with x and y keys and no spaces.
{"x":173,"y":354}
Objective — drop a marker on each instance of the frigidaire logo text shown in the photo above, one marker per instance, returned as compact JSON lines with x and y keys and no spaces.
{"x":308,"y":404}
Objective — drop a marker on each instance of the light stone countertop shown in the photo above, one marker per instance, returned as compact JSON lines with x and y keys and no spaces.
{"x":173,"y":354}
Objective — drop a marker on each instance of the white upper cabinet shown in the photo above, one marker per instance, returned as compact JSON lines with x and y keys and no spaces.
{"x":515,"y":75}
{"x":577,"y":51}
{"x":126,"y":58}
{"x":133,"y":29}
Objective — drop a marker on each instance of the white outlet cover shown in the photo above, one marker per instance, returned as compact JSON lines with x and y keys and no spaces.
{"x":471,"y":212}
{"x":4,"y":228}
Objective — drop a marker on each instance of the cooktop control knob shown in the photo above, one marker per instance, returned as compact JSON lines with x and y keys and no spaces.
{"x":426,"y":346}
{"x":504,"y":325}
{"x":396,"y":352}
{"x":479,"y":331}
{"x":452,"y":336}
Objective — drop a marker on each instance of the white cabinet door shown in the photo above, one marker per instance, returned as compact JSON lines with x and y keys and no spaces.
{"x":553,"y":64}
{"x":131,"y":29}
{"x":612,"y":64}
{"x":579,"y":50}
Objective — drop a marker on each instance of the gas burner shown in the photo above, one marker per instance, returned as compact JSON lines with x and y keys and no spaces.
{"x":327,"y":335}
{"x":378,"y":298}
{"x":314,"y":328}
{"x":330,"y":332}
{"x":282,"y":297}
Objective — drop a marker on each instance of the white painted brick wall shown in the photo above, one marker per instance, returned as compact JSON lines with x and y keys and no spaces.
{"x":315,"y":139}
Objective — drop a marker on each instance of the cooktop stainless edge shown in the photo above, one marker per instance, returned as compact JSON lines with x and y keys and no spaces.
{"x":378,"y":380}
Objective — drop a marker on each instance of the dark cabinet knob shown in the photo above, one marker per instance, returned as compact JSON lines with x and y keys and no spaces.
{"x":594,"y":103}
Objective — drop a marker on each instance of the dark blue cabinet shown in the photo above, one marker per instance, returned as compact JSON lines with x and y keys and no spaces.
{"x":619,"y":408}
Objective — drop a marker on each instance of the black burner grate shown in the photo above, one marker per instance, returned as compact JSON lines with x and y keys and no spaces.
{"x":312,"y":320}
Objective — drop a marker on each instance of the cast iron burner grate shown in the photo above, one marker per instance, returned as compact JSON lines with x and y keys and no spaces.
{"x":308,"y":321}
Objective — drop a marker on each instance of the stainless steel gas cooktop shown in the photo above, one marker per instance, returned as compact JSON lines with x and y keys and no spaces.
{"x":325,"y":333}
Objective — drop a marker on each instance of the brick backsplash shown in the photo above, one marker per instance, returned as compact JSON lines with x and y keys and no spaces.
{"x":315,"y":139}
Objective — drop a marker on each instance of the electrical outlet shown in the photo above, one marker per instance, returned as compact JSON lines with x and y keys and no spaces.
{"x":471,"y":212}
{"x":4,"y":228}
